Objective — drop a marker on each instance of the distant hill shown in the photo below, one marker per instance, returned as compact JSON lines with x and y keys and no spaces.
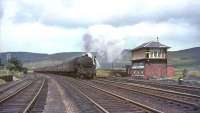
{"x":54,"y":59}
{"x":35,"y":60}
{"x":23,"y":56}
{"x":188,"y":58}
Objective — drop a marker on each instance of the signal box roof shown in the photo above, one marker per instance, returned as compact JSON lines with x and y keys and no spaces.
{"x":151,"y":44}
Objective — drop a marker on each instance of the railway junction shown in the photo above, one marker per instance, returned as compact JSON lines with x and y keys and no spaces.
{"x":103,"y":56}
{"x":52,"y":93}
{"x":73,"y":87}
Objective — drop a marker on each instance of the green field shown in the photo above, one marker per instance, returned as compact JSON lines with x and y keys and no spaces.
{"x":103,"y":73}
{"x":179,"y":73}
{"x":110,"y":72}
{"x":5,"y":72}
{"x":2,"y":81}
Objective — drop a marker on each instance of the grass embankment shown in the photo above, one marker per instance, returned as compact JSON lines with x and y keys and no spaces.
{"x":2,"y":81}
{"x":17,"y":74}
{"x":3,"y":73}
{"x":103,"y":72}
{"x":109,"y":72}
{"x":179,"y":73}
{"x":195,"y":73}
{"x":6,"y":72}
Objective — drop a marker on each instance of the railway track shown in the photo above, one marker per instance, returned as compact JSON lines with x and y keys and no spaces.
{"x":163,"y":104}
{"x":5,"y":85}
{"x":14,"y":84}
{"x":36,"y":105}
{"x":180,"y":88}
{"x":14,"y":88}
{"x":173,"y":95}
{"x":77,"y":103}
{"x":106,"y":101}
{"x":8,"y":86}
{"x":23,"y":99}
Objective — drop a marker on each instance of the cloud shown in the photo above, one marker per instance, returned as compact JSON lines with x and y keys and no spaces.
{"x":37,"y":37}
{"x":146,"y":30}
{"x":61,"y":24}
{"x":1,"y":9}
{"x":109,"y":41}
{"x":160,"y":11}
{"x":76,"y":13}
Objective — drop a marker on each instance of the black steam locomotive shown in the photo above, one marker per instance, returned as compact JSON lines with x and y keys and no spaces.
{"x":79,"y":67}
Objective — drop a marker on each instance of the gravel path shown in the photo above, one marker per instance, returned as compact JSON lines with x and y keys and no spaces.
{"x":57,"y":100}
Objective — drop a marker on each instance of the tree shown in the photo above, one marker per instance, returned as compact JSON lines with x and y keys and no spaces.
{"x":25,"y":70}
{"x":14,"y":65}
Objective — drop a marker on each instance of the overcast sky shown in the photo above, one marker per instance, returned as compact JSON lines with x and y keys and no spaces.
{"x":51,"y":26}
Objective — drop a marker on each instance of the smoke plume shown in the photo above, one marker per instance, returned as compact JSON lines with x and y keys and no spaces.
{"x":87,"y":38}
{"x":106,"y":41}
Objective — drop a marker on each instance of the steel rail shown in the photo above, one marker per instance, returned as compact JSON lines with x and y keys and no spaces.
{"x":152,"y":88}
{"x":9,"y":86}
{"x":179,"y":101}
{"x":126,"y":99}
{"x":90,"y":99}
{"x":31,"y":103}
{"x":184,"y":87}
{"x":15,"y":93}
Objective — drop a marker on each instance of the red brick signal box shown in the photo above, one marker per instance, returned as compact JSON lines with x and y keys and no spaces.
{"x":149,"y":60}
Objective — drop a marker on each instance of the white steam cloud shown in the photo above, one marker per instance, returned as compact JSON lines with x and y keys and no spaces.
{"x":105,"y":40}
{"x":109,"y":41}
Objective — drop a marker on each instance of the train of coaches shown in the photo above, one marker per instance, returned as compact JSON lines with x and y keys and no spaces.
{"x":83,"y":67}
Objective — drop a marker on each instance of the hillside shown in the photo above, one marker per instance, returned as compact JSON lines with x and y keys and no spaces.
{"x":53,"y":59}
{"x":23,"y":56}
{"x":188,"y":58}
{"x":35,"y":60}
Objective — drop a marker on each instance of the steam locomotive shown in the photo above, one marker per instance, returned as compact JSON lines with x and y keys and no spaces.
{"x":83,"y":67}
